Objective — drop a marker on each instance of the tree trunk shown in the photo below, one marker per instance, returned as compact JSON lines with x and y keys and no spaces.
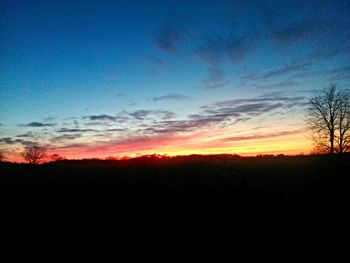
{"x":331,"y":150}
{"x":340,"y":146}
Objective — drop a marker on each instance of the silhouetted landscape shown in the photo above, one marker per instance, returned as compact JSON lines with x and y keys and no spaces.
{"x":178,"y":130}
{"x":287,"y":206}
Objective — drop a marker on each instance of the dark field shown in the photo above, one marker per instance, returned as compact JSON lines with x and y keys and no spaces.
{"x":210,"y":206}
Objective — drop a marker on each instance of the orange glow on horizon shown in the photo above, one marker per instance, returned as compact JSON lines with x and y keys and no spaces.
{"x":290,"y":144}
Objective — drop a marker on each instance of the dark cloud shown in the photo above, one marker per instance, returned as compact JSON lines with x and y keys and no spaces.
{"x":224,"y":113}
{"x":252,"y":109}
{"x":98,"y":123}
{"x":260,"y":136}
{"x":66,"y":137}
{"x":290,"y":68}
{"x":169,"y":38}
{"x":49,"y":119}
{"x":36,"y":124}
{"x":216,"y":78}
{"x":299,"y":104}
{"x":294,"y":32}
{"x":237,"y":102}
{"x":103,"y":117}
{"x":116,"y":130}
{"x":194,"y":123}
{"x":171,"y":96}
{"x":273,"y":94}
{"x":214,"y":51}
{"x":72,"y":145}
{"x":64,"y":130}
{"x":140,"y":114}
{"x":219,"y":117}
{"x":217,"y":114}
{"x":277,"y":85}
{"x":165,"y":115}
{"x":260,"y":25}
{"x":333,"y":73}
{"x":331,"y":48}
{"x":238,"y":48}
{"x":159,"y":123}
{"x":123,"y":117}
{"x":340,"y":76}
{"x":7,"y":140}
{"x":28,"y":134}
{"x":25,"y":143}
{"x":158,"y":114}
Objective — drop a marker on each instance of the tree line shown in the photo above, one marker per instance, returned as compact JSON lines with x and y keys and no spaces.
{"x":36,"y":155}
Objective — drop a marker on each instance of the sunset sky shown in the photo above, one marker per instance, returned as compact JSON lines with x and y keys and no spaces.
{"x":123,"y":78}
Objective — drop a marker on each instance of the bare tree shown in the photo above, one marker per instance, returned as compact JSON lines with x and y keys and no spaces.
{"x":328,"y":118}
{"x":343,"y":123}
{"x":56,"y":157}
{"x":111,"y":158}
{"x":34,"y":154}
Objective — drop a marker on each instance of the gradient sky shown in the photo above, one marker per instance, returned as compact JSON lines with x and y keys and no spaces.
{"x":99,"y":78}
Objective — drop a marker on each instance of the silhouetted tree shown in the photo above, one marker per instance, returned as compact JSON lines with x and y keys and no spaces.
{"x":56,"y":157}
{"x":34,"y":154}
{"x":343,"y":123}
{"x":111,"y":158}
{"x":328,"y":118}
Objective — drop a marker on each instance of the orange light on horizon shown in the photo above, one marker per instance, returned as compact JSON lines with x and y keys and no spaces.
{"x":289,"y":144}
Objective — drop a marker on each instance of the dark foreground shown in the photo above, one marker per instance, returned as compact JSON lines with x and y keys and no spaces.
{"x":204,"y":207}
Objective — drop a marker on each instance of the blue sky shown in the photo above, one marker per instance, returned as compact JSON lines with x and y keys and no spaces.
{"x":69,"y":60}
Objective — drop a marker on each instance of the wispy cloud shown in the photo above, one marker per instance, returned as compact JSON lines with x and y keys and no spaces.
{"x":261,"y":136}
{"x":331,"y":48}
{"x":331,"y":73}
{"x":102,"y":117}
{"x":225,"y":113}
{"x":116,"y":130}
{"x":216,"y":78}
{"x":35,"y":124}
{"x":143,"y":114}
{"x":286,"y":69}
{"x":65,"y":137}
{"x":28,"y":134}
{"x":172,"y":96}
{"x":7,"y":140}
{"x":235,"y":102}
{"x":11,"y":141}
{"x":105,"y":119}
{"x":152,"y":129}
{"x":340,"y":76}
{"x":213,"y":51}
{"x":73,"y":130}
{"x":277,"y":85}
{"x":169,"y":38}
{"x":294,"y":32}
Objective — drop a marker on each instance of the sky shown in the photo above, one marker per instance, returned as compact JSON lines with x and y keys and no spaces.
{"x":125,"y":78}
